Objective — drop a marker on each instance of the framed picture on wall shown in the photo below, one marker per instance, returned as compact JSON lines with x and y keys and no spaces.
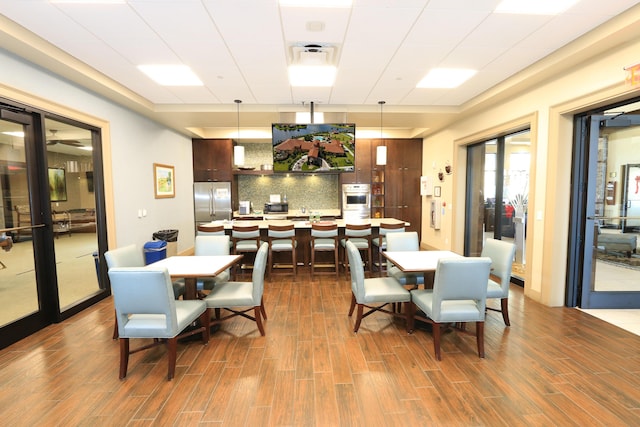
{"x":164,"y":181}
{"x":57,"y":185}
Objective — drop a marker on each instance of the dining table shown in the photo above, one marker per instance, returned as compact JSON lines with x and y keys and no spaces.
{"x":417,"y":261}
{"x":193,"y":267}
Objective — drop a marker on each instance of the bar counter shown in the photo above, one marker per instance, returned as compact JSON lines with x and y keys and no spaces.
{"x":303,"y":231}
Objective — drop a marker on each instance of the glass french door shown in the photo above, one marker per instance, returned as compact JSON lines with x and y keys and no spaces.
{"x":497,"y":195}
{"x":17,"y":229}
{"x":51,"y":229}
{"x":606,"y":213}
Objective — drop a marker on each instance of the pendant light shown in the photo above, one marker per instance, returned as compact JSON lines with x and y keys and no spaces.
{"x":238,"y":150}
{"x":381,"y":150}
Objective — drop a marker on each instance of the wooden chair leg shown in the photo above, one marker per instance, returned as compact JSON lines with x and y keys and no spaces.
{"x":409,"y":313}
{"x":480,"y":338}
{"x":353,"y":304}
{"x":436,"y":340}
{"x":115,"y":326}
{"x":257,"y":314}
{"x":124,"y":357}
{"x":172,"y":347}
{"x":313,"y":262}
{"x":358,"y":318}
{"x":294,"y":261}
{"x":336,"y":258}
{"x":262,"y":309}
{"x":205,"y":321}
{"x":504,"y":304}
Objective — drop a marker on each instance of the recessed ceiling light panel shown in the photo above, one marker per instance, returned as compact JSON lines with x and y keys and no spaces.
{"x":171,"y":75}
{"x":316,"y":3}
{"x":445,"y":78}
{"x":312,"y":76}
{"x":537,"y":7}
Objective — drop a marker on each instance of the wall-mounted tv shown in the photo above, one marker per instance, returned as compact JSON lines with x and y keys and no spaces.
{"x":315,"y":147}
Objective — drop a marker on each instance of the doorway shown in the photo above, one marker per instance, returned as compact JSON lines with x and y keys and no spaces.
{"x":497,"y":195}
{"x":604,"y":264}
{"x":51,"y":221}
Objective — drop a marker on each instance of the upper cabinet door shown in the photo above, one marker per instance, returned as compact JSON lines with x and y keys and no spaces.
{"x":212,"y":159}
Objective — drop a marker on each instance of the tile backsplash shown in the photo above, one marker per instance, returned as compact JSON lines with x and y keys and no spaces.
{"x":311,"y":191}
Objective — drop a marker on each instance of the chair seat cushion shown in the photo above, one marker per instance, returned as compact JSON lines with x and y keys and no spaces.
{"x":494,"y":290}
{"x":231,"y":294}
{"x":324,"y":244}
{"x":383,"y":289}
{"x":210,"y":282}
{"x":247,"y":246}
{"x":405,"y":278}
{"x":155,"y":325}
{"x":282,"y":245}
{"x":451,"y":311}
{"x":357,"y":241}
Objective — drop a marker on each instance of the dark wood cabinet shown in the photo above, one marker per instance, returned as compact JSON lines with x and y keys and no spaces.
{"x":362,"y":174}
{"x":402,"y":181}
{"x":212,"y":159}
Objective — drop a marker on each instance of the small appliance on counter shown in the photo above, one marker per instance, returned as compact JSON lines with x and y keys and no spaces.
{"x":244,"y":207}
{"x":276,"y":207}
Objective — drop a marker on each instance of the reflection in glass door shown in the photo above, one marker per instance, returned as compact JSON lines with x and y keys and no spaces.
{"x":497,"y":195}
{"x":73,"y":210}
{"x":17,"y":268}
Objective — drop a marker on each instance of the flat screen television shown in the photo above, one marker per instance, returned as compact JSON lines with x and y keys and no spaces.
{"x":315,"y":147}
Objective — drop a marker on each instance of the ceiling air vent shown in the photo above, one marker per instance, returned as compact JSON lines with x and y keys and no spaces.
{"x":312,"y":54}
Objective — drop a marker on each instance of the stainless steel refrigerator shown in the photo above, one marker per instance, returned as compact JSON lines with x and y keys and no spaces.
{"x":212,"y":201}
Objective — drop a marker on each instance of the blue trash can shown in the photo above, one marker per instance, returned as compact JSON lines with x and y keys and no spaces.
{"x":155,"y":251}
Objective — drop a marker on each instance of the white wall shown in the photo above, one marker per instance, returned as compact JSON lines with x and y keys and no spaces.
{"x":132,"y":143}
{"x":548,"y":109}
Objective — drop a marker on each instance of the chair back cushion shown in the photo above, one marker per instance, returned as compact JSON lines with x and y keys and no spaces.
{"x":212,"y":245}
{"x":403,"y":241}
{"x":281,"y":231}
{"x":144,"y":302}
{"x":245,"y":232}
{"x":259,"y":267}
{"x":501,"y":254}
{"x":126,"y":256}
{"x":357,"y":270}
{"x":357,"y":230}
{"x":324,"y":231}
{"x":210,"y":230}
{"x":458,"y":284}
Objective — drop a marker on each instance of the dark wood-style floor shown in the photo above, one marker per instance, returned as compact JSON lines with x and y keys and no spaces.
{"x":553,"y":366}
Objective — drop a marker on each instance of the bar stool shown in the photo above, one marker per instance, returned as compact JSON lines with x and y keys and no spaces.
{"x":324,"y":238}
{"x":360,"y":236}
{"x":381,"y":240}
{"x":282,"y":238}
{"x":245,"y":239}
{"x":212,"y":230}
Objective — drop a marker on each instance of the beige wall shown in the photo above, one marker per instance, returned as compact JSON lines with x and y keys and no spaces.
{"x":547,"y":108}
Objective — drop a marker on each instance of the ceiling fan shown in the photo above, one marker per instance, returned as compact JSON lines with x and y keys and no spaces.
{"x":70,"y":142}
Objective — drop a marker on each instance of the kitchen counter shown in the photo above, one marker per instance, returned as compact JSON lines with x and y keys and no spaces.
{"x":293,"y":214}
{"x":264,"y":224}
